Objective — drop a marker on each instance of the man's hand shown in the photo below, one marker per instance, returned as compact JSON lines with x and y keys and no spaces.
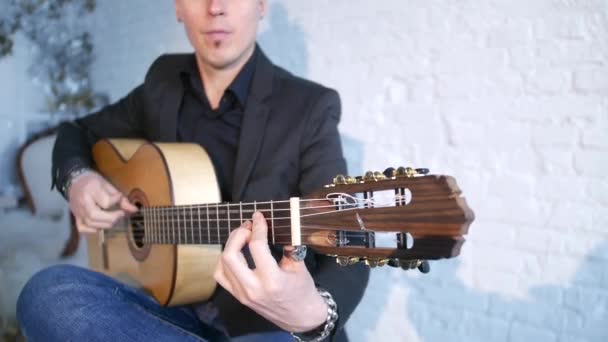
{"x":283,"y":293}
{"x":91,"y":197}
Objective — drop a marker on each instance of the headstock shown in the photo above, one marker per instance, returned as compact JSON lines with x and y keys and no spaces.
{"x":399,"y":217}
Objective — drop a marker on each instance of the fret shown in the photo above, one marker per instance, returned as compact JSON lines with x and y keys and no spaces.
{"x":217,"y":219}
{"x":241,"y":211}
{"x":191,"y":228}
{"x":145,"y":235}
{"x":228,"y":216}
{"x":149,"y":222}
{"x":152,"y":226}
{"x":200,"y":232}
{"x":208,"y":228}
{"x":164,"y":233}
{"x":161,"y":225}
{"x":272,"y":220}
{"x":170,"y":218}
{"x":155,"y":225}
{"x":179,"y":227}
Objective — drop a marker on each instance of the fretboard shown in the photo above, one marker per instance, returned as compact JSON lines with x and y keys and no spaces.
{"x":208,"y":223}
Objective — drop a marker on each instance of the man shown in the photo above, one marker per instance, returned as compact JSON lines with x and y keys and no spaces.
{"x":270,"y":135}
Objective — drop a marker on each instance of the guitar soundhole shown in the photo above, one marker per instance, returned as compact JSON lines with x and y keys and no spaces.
{"x":138,"y":230}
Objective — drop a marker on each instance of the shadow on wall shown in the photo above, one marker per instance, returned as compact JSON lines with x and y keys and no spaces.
{"x":438,"y":307}
{"x":285,"y":42}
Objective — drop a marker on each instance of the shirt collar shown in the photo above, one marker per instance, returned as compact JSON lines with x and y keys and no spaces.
{"x":239,"y":86}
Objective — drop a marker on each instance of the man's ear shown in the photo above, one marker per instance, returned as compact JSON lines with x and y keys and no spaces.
{"x":178,"y":10}
{"x":263,"y":7}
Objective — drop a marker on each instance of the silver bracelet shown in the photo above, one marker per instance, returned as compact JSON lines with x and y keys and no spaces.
{"x":330,"y":322}
{"x":72,"y":175}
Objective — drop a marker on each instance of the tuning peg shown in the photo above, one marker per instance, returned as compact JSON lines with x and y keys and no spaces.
{"x":347,"y":261}
{"x":422,"y":171}
{"x":369,"y":176}
{"x":339,"y":179}
{"x":400,"y":172}
{"x":424,"y":267}
{"x":379,"y":175}
{"x":350,"y":180}
{"x":372,"y":262}
{"x":393,"y":263}
{"x":342,"y":261}
{"x":389,"y":172}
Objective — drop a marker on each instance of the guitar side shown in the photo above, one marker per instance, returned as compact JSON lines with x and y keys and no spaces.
{"x":157,"y":174}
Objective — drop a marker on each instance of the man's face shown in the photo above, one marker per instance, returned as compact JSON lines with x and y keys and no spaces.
{"x":222,"y":32}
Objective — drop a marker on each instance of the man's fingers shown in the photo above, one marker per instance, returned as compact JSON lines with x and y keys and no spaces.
{"x":258,"y":246}
{"x":83,"y":228}
{"x":106,"y":200}
{"x":232,"y":257}
{"x":109,"y":188}
{"x":127,"y":206}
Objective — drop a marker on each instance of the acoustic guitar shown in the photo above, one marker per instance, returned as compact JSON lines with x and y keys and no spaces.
{"x":170,"y":247}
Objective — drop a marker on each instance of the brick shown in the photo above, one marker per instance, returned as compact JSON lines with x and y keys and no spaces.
{"x":522,"y":332}
{"x":547,"y":81}
{"x":473,"y":60}
{"x":569,"y":53}
{"x":566,"y":215}
{"x":562,"y":26}
{"x":466,"y":133}
{"x":422,"y":89}
{"x":480,"y":327}
{"x":560,"y":188}
{"x":554,"y":135}
{"x":591,"y":163}
{"x":489,"y":280}
{"x":493,"y":234}
{"x":593,"y":273}
{"x":557,"y":162}
{"x":548,"y":109}
{"x":592,"y":79}
{"x":596,"y":137}
{"x":512,"y":32}
{"x":512,"y":185}
{"x":598,"y":191}
{"x":475,"y":84}
{"x":519,"y":211}
{"x":532,"y":240}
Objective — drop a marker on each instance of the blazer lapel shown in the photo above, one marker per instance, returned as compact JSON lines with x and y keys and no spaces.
{"x":253,"y":125}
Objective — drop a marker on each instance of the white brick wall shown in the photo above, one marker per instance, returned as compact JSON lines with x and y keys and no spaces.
{"x":511,"y":97}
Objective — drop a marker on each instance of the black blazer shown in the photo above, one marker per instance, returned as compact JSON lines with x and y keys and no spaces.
{"x":289,"y":146}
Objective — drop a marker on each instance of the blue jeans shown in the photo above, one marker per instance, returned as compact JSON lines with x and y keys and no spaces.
{"x":68,"y":303}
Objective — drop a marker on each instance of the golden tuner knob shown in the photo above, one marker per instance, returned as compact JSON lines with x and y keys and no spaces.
{"x":372,"y":262}
{"x":379,"y":175}
{"x":342,"y":260}
{"x":339,"y":179}
{"x":350,"y":180}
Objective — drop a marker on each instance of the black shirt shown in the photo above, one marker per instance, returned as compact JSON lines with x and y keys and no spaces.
{"x":216,"y":130}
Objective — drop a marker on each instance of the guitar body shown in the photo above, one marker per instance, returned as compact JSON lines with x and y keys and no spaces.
{"x":161,"y":174}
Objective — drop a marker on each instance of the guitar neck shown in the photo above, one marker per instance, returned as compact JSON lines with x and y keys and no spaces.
{"x":209,"y":223}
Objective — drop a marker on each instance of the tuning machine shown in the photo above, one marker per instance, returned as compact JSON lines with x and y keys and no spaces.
{"x":405,"y":172}
{"x":342,"y":180}
{"x":409,"y":264}
{"x":373,"y":176}
{"x":347,"y":261}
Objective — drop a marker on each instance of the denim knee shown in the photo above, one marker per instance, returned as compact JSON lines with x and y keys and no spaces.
{"x":44,"y":289}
